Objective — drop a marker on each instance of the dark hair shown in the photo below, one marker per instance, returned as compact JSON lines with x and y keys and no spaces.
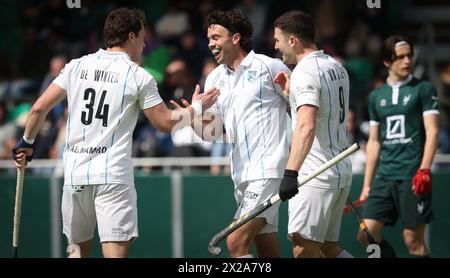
{"x":120,"y":23}
{"x":388,"y":48}
{"x":297,"y":23}
{"x":235,"y":22}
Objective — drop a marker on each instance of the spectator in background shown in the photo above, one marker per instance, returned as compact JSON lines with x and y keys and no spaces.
{"x":57,"y":63}
{"x":179,"y":82}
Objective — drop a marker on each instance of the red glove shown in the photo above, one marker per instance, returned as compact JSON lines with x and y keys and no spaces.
{"x":422,"y":182}
{"x":356,"y":204}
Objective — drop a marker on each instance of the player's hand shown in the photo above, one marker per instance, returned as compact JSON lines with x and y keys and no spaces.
{"x":422,"y":182}
{"x":207,"y":99}
{"x":283,"y":80}
{"x":288,"y":186}
{"x":22,"y":153}
{"x":356,"y":204}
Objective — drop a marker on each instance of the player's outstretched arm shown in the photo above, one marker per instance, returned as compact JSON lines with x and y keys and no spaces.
{"x":36,"y":118}
{"x":166,"y":119}
{"x":207,"y":126}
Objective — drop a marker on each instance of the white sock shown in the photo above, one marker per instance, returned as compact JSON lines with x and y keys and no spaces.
{"x":249,"y":256}
{"x":344,"y":255}
{"x":73,"y":251}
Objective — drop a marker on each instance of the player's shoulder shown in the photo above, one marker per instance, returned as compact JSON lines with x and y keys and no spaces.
{"x":422,"y":84}
{"x":217,"y":71}
{"x":140,"y":70}
{"x":273,"y":64}
{"x":78,"y":60}
{"x":142,"y":75}
{"x":306,"y":69}
{"x":88,"y":57}
{"x":268,"y":60}
{"x":380,"y":91}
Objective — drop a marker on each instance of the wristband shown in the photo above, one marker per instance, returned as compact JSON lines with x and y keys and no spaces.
{"x":196,"y":105}
{"x":28,"y":141}
{"x":290,"y":173}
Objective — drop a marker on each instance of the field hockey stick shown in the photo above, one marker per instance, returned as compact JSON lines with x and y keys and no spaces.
{"x":362,"y":224}
{"x":215,"y":250}
{"x":17,"y":210}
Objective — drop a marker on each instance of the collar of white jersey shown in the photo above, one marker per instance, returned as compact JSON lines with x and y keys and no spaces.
{"x":246,"y":62}
{"x":114,"y":53}
{"x":248,"y":59}
{"x":312,"y":55}
{"x":400,"y":83}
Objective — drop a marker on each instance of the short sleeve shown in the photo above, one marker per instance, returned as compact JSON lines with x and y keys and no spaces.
{"x":305,"y":89}
{"x":429,"y":99}
{"x":148,"y":91}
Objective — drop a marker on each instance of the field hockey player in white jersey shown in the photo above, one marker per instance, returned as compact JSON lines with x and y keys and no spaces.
{"x":319,"y":92}
{"x":252,"y":110}
{"x":105,"y":91}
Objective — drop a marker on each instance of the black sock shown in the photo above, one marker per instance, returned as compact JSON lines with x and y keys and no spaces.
{"x":419,"y":256}
{"x":386,"y":250}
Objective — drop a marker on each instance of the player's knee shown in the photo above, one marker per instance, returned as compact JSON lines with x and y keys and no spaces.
{"x":308,"y":251}
{"x":412,"y":241}
{"x":238,"y":244}
{"x":331,"y":249}
{"x":305,"y":248}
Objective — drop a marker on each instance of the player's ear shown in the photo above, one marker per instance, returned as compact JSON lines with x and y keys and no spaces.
{"x":293,"y":40}
{"x":236,"y":38}
{"x":387,"y":64}
{"x":131,"y":36}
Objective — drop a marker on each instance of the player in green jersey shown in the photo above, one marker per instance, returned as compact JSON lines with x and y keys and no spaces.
{"x":403,"y":139}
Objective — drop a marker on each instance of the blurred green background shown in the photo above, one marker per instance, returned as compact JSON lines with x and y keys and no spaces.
{"x":207,"y":207}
